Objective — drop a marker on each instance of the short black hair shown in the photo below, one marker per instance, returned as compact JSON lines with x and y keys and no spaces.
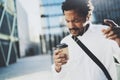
{"x":83,"y":7}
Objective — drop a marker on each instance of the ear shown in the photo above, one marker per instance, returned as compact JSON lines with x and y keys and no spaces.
{"x":88,"y":17}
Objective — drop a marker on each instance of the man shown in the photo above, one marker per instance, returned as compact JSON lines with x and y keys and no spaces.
{"x":78,"y":65}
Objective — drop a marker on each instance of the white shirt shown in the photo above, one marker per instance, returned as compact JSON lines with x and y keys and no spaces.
{"x":80,"y":66}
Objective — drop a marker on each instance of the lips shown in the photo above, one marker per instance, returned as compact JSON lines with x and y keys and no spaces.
{"x":74,"y":29}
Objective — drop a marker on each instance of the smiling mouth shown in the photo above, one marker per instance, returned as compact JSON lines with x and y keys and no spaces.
{"x":74,"y":29}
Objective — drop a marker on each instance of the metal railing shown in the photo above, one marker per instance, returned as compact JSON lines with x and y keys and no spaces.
{"x":49,"y":41}
{"x":8,"y":40}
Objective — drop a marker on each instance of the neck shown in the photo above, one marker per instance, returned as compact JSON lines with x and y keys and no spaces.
{"x":84,"y":29}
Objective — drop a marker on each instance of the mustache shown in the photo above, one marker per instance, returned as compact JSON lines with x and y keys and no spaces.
{"x":73,"y":28}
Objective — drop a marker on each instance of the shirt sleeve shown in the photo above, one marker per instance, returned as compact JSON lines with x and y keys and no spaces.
{"x":116,"y":51}
{"x":59,"y":75}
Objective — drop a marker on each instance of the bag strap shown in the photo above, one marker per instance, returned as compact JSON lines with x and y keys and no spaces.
{"x":93,"y":57}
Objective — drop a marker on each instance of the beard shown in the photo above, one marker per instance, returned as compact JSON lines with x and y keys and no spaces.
{"x":76,"y":31}
{"x":79,"y":31}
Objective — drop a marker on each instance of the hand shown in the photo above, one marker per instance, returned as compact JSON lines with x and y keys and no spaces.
{"x":60,"y":58}
{"x":113,"y":32}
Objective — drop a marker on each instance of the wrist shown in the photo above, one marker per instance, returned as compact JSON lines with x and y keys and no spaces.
{"x":58,"y":69}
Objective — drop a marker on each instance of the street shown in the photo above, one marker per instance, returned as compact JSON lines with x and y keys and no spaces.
{"x":28,"y":68}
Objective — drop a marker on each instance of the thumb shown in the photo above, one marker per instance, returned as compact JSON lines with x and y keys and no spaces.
{"x":110,"y":23}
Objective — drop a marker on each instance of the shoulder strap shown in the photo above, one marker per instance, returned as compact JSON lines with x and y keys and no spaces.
{"x":93,"y":57}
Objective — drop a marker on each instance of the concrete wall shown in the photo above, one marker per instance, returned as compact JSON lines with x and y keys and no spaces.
{"x":29,"y":27}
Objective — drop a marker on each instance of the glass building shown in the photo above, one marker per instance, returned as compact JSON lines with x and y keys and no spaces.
{"x":9,"y":49}
{"x":106,"y":9}
{"x":52,"y":15}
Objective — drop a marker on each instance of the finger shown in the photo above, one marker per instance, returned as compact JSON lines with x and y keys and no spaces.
{"x":106,"y":31}
{"x":61,"y":63}
{"x":57,"y":57}
{"x":63,"y":55}
{"x":60,"y":55}
{"x":64,"y":62}
{"x":56,"y":53}
{"x":111,"y":33}
{"x":110,"y":23}
{"x":113,"y":37}
{"x":58,"y":60}
{"x":61,"y":60}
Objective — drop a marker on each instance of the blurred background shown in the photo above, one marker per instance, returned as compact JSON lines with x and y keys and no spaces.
{"x":29,"y":29}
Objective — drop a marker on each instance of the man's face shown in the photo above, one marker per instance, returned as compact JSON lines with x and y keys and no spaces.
{"x":74,"y":22}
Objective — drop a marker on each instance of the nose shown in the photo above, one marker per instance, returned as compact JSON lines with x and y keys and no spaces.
{"x":71,"y":24}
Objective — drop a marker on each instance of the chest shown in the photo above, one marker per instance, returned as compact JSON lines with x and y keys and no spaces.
{"x":96,"y":46}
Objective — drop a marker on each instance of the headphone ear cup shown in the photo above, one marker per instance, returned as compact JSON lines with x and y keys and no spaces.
{"x":87,"y":18}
